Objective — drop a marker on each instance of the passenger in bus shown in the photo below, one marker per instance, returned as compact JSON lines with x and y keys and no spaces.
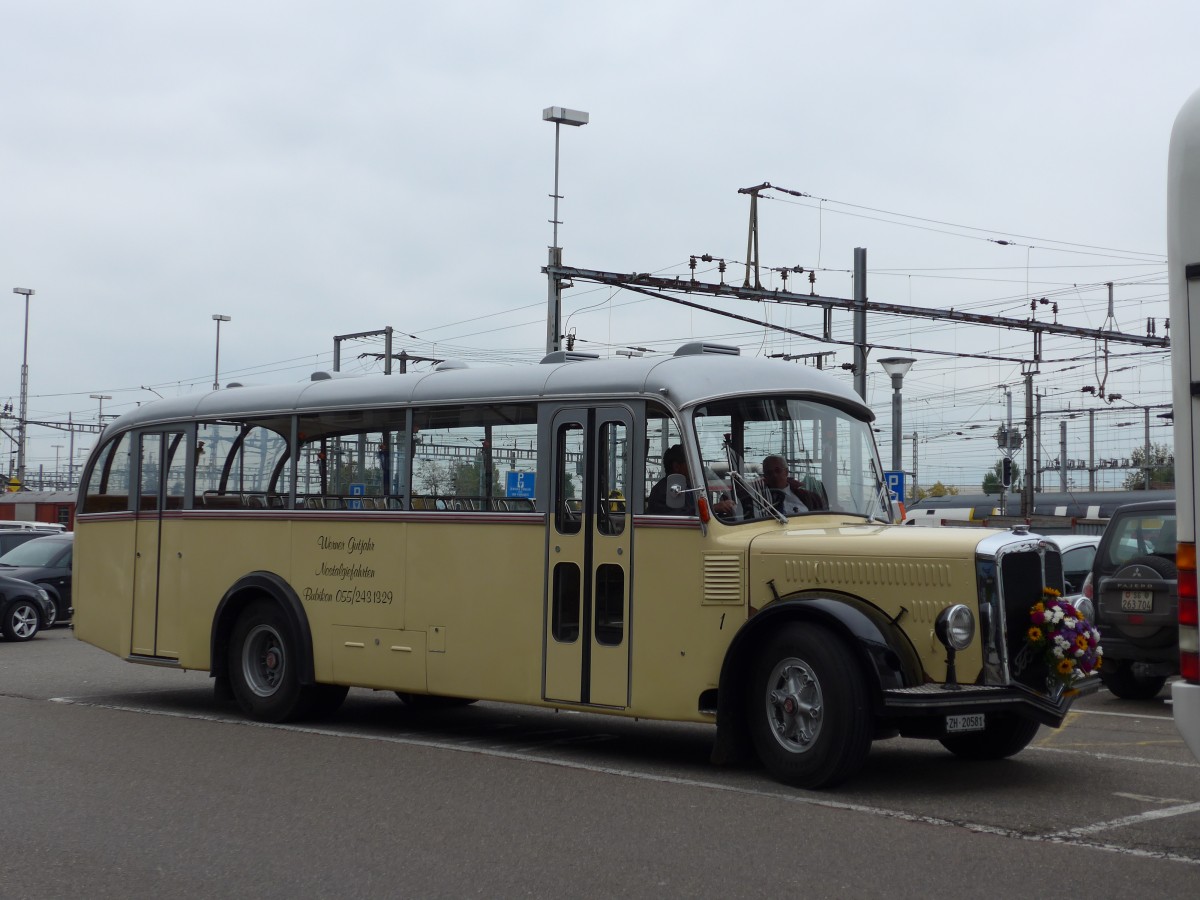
{"x":787,"y":494}
{"x":675,"y":463}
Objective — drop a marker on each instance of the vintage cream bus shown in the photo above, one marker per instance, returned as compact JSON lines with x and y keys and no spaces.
{"x":510,"y":534}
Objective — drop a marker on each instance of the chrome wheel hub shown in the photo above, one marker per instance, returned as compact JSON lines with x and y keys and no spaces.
{"x":263,"y":660}
{"x":794,"y":705}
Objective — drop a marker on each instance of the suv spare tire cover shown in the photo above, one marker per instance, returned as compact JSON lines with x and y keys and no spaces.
{"x":1143,"y":635}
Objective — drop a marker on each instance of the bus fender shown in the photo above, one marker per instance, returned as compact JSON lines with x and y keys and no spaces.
{"x":882,"y":650}
{"x":257,"y":585}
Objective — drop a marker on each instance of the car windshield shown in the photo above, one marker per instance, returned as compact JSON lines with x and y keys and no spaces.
{"x":785,"y":456}
{"x":38,"y":552}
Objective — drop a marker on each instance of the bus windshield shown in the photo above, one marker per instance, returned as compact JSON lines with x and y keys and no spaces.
{"x":786,"y":456}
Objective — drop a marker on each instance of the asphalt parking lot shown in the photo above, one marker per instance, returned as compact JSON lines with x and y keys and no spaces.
{"x":142,"y":769}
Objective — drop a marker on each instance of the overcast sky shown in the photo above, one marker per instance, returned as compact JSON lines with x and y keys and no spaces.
{"x":317,"y":168}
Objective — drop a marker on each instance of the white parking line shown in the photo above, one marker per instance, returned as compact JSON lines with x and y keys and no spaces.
{"x":1101,"y":712}
{"x":1075,"y":838}
{"x":1148,"y":816}
{"x":1144,"y":798}
{"x":1183,"y":764}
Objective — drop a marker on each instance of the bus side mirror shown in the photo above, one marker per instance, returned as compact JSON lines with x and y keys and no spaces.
{"x":676,"y":489}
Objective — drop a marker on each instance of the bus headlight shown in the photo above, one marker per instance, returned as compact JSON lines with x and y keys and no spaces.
{"x":955,"y":627}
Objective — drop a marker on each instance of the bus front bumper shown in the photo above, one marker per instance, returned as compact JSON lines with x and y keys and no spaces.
{"x":929,"y":700}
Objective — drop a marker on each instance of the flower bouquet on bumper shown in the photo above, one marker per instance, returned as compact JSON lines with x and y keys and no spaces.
{"x":1063,"y":640}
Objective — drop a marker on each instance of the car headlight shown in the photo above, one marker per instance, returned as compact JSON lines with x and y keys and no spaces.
{"x":955,"y":627}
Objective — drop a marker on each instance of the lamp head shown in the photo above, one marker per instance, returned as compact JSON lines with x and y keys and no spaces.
{"x":560,"y":115}
{"x":897,"y":365}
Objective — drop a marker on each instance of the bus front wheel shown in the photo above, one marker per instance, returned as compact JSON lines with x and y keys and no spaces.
{"x":810,"y":717}
{"x":263,"y":670}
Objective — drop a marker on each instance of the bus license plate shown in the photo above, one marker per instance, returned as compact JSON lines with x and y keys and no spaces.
{"x":1137,"y":601}
{"x":973,"y":722}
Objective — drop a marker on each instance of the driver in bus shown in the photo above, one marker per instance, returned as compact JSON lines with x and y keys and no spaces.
{"x":788,"y":495}
{"x":675,"y":463}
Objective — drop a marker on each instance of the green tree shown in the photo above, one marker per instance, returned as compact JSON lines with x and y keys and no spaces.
{"x":468,"y":481}
{"x":1162,"y":468}
{"x":937,"y":490}
{"x":993,"y":481}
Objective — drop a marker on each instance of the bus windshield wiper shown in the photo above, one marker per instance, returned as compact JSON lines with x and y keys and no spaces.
{"x":735,"y":475}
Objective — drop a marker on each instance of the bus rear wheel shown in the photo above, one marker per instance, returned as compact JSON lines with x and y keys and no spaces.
{"x":263,"y":671}
{"x":810,"y":718}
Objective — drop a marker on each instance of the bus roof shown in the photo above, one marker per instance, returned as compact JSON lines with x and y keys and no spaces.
{"x":690,"y":377}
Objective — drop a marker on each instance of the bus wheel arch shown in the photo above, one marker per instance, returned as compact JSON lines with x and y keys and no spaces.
{"x":273,"y":605}
{"x":876,"y":649}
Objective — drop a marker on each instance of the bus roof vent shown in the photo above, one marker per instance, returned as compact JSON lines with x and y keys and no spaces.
{"x":697,"y":347}
{"x":565,"y":356}
{"x":447,"y":365}
{"x":327,"y":375}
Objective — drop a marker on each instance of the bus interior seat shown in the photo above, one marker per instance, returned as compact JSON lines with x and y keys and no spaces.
{"x":217,"y":500}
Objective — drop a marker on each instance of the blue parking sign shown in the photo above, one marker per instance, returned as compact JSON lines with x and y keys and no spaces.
{"x":895,"y":484}
{"x":520,"y":484}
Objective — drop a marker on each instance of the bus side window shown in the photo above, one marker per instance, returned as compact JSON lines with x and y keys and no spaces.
{"x":662,"y":433}
{"x":475,"y":459}
{"x":108,"y":482}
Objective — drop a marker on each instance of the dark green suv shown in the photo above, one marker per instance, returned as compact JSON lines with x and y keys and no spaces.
{"x":1134,"y":588}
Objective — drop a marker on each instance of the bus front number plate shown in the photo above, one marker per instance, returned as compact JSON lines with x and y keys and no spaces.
{"x":958,"y":724}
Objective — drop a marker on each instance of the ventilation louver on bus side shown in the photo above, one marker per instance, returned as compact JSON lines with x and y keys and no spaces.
{"x":698,"y":347}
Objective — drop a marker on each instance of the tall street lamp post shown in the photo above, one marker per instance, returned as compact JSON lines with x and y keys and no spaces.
{"x":217,"y":367}
{"x":26,"y":293}
{"x":559,"y":116}
{"x":897,"y":367}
